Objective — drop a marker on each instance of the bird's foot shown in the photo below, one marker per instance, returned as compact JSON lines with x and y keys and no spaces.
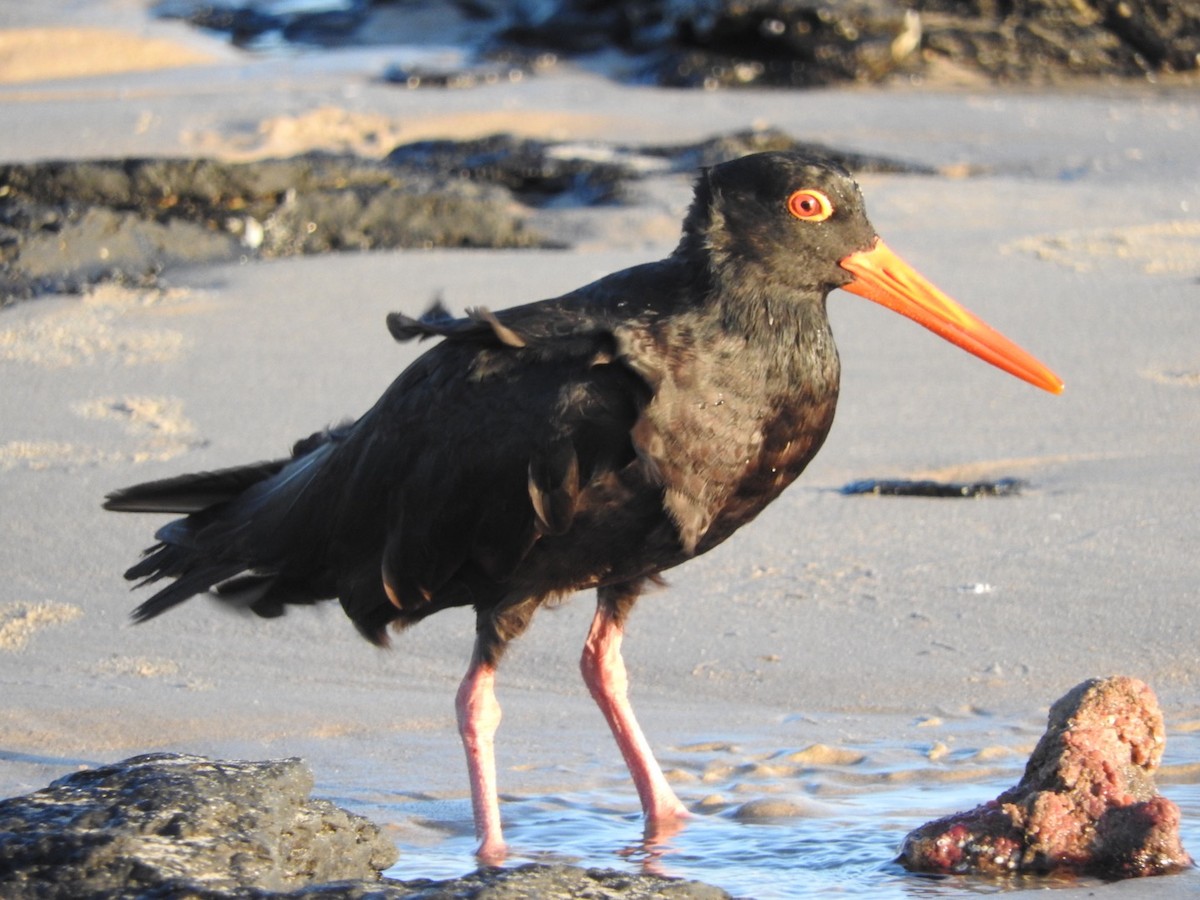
{"x":664,"y":824}
{"x":660,"y":806}
{"x":492,"y":851}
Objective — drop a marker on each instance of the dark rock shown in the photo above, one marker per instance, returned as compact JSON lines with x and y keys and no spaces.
{"x":1165,"y":34}
{"x":1044,"y":41}
{"x":103,"y":244}
{"x":799,"y":43}
{"x":170,"y":827}
{"x":721,"y":43}
{"x":789,"y":43}
{"x":792,"y":43}
{"x":327,"y":23}
{"x":66,"y":225}
{"x":1086,"y":804}
{"x":499,"y":66}
{"x":335,"y":195}
{"x":531,"y":169}
{"x":588,"y":174}
{"x":1003,"y":487}
{"x":723,"y":147}
{"x":560,"y":882}
{"x":157,"y":822}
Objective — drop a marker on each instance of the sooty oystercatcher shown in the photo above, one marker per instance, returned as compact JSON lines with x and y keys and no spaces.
{"x":592,"y":440}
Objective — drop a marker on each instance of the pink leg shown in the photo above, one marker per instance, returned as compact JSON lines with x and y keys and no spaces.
{"x":478,"y":717}
{"x":604,"y":674}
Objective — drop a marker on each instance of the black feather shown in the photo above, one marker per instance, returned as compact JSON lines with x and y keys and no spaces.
{"x":190,"y":493}
{"x":554,"y":487}
{"x":589,"y":440}
{"x":405,"y":328}
{"x":185,"y":587}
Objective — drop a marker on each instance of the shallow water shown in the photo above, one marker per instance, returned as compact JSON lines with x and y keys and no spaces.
{"x":829,"y":819}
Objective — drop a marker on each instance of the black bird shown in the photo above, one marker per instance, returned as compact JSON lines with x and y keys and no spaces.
{"x":592,"y":440}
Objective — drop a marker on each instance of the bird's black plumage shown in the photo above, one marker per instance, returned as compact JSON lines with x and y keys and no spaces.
{"x":592,"y":439}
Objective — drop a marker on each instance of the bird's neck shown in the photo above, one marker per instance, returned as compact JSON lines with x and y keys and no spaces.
{"x":786,"y":323}
{"x":785,"y":327}
{"x":792,"y":335}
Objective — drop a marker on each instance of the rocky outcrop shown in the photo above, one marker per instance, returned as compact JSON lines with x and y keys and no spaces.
{"x":1087,"y":802}
{"x":69,"y":224}
{"x":800,"y":43}
{"x":171,"y":826}
{"x":155,"y":820}
{"x":557,"y":882}
{"x":794,"y":43}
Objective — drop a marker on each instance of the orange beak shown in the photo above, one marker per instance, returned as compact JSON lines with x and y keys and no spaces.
{"x":882,"y":276}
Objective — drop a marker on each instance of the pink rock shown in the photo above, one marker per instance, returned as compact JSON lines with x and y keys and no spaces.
{"x":1086,"y":803}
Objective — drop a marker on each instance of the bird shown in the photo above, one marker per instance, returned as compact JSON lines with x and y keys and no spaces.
{"x":593,"y":440}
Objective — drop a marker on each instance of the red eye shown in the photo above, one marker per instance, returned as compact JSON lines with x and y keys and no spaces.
{"x":810,"y":205}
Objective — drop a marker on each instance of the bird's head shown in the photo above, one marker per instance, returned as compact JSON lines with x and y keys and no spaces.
{"x":800,"y":222}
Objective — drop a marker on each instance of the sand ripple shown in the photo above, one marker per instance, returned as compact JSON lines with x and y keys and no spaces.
{"x":21,"y":621}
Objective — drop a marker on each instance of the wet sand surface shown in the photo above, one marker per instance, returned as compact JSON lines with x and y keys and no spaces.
{"x":916,"y":642}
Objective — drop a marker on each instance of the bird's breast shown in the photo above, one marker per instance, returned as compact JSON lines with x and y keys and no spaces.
{"x":725,"y":435}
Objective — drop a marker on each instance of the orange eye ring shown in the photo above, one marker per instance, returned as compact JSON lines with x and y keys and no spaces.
{"x":810,"y":205}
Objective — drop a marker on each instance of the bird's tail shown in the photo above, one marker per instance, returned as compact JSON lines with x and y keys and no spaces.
{"x":191,"y":493}
{"x":234,"y":525}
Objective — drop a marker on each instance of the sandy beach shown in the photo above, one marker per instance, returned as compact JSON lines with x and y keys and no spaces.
{"x":886,"y":628}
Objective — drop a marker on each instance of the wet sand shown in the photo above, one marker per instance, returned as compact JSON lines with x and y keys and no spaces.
{"x":848,"y":622}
